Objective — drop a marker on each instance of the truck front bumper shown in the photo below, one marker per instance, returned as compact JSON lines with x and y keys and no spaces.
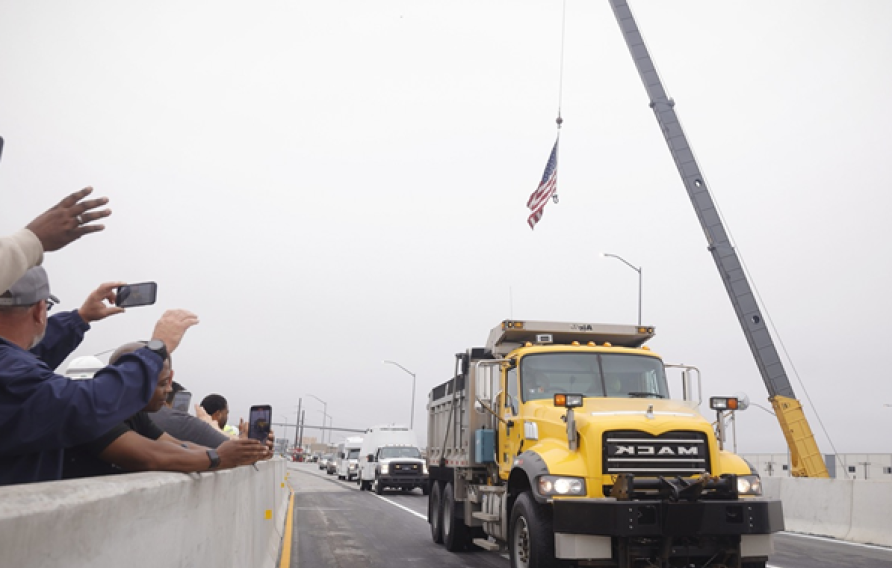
{"x":402,"y":480}
{"x":610,"y":517}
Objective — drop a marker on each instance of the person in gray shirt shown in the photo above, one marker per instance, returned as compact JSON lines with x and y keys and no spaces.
{"x":183,"y":426}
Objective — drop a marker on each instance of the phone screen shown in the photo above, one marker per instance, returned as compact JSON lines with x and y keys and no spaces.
{"x":181,"y":401}
{"x":131,"y":295}
{"x":259,"y":421}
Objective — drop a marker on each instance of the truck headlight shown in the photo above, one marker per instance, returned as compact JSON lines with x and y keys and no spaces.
{"x":556,"y":485}
{"x":424,"y":468}
{"x":749,"y":485}
{"x":385,"y":469}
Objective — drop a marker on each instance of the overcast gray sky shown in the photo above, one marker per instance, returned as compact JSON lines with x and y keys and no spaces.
{"x":332,"y":184}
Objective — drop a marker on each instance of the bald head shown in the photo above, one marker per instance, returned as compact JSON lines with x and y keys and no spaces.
{"x":129,"y":348}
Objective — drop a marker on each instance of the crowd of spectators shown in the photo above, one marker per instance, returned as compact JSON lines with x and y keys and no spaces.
{"x":120,"y":420}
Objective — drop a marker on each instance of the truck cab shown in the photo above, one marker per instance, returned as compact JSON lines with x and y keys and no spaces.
{"x":562,"y":441}
{"x":348,"y":458}
{"x":389,"y":458}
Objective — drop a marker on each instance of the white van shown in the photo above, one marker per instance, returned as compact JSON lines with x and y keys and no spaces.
{"x":389,"y":457}
{"x":348,"y":458}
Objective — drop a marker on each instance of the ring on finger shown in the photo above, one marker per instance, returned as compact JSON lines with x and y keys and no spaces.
{"x":80,"y":220}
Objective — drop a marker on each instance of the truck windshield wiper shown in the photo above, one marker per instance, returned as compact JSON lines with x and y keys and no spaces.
{"x":645,"y":394}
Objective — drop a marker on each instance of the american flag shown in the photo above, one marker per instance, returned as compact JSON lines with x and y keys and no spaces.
{"x":546,"y":188}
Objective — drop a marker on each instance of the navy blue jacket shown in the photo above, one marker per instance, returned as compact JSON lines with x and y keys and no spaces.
{"x":42,"y":413}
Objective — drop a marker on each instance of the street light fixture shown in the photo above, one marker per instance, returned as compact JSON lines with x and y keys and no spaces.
{"x":330,"y":423}
{"x":324,"y":415}
{"x":412,"y":414}
{"x":637,"y":269}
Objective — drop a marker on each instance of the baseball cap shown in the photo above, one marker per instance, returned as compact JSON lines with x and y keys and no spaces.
{"x":31,"y":288}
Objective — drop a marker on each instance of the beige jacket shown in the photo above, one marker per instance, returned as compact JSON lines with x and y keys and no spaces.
{"x":18,"y":252}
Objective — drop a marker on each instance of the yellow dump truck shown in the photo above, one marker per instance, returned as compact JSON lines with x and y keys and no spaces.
{"x":562,"y":443}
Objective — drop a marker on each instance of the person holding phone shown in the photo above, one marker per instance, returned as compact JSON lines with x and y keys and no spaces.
{"x":182,"y":425}
{"x":137,"y":444}
{"x":42,"y":412}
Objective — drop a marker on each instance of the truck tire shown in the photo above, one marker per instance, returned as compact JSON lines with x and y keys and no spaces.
{"x":376,"y":485}
{"x":455,"y":533}
{"x":435,"y":512}
{"x":531,"y":537}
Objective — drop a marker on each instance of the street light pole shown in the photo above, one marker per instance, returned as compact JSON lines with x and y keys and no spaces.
{"x":637,"y":269}
{"x":324,"y":415}
{"x":412,"y":413}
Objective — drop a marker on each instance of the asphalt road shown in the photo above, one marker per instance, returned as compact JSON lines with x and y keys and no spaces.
{"x":338,"y":526}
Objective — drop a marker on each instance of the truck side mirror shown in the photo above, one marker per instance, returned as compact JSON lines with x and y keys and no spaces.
{"x":371,"y":457}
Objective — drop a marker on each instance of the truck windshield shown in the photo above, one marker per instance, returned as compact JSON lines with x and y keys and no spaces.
{"x":612,"y":375}
{"x":401,"y":452}
{"x":353,"y":454}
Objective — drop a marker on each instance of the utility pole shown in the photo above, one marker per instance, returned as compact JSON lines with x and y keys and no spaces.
{"x":297,"y":418}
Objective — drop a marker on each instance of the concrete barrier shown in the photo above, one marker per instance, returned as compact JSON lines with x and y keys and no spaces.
{"x":228,"y":518}
{"x":853,"y":510}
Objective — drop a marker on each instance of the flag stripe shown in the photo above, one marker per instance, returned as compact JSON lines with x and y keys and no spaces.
{"x":539,"y":198}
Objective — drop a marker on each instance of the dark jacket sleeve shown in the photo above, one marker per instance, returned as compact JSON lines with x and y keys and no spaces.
{"x":64,"y":332}
{"x":40,"y":410}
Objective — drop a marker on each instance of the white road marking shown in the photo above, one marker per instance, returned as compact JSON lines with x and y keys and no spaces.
{"x":404,"y":508}
{"x":837,"y":541}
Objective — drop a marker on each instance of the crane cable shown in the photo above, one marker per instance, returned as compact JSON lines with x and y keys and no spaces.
{"x":559,"y":120}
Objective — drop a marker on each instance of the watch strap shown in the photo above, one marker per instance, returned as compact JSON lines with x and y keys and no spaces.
{"x":215,"y":459}
{"x":157,"y":346}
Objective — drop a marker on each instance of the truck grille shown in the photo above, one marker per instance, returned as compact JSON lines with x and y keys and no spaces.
{"x":670,"y":454}
{"x":405,"y":468}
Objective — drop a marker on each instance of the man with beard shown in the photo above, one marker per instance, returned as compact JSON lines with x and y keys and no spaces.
{"x":137,"y":444}
{"x":218,"y":409}
{"x":41,"y":412}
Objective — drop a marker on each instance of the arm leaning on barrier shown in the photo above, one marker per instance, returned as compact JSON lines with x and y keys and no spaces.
{"x":133,"y":452}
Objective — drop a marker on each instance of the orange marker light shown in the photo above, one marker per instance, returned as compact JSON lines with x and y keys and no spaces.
{"x":560,"y":400}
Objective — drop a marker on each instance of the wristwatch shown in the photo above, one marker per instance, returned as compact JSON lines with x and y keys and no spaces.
{"x":215,"y":459}
{"x":157,"y":346}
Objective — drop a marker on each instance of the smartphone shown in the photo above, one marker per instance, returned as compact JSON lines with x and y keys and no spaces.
{"x":132,"y":295}
{"x":181,"y":401}
{"x":259,"y":422}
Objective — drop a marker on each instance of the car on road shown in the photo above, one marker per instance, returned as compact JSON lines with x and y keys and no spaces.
{"x":323,"y":461}
{"x":331,"y":466}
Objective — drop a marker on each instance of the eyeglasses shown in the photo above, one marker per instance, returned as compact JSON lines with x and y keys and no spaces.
{"x":49,"y":304}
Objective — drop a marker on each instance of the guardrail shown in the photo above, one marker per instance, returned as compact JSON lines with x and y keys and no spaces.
{"x":853,"y":510}
{"x":227,"y":518}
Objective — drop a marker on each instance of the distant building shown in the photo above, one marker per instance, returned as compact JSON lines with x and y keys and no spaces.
{"x":840,"y":466}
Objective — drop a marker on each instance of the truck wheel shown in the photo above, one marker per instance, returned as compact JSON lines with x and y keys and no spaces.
{"x":379,"y":489}
{"x":363,"y":485}
{"x":531,"y":537}
{"x":435,"y":512}
{"x":455,"y":533}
